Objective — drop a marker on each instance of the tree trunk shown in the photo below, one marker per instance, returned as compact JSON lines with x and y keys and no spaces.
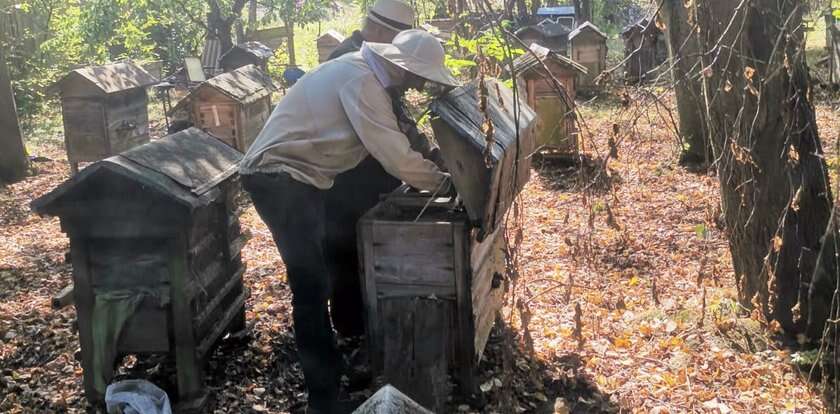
{"x":222,"y":27}
{"x":290,"y":41}
{"x":583,"y":11}
{"x":252,"y":16}
{"x":683,"y":49}
{"x":776,"y":199}
{"x":13,"y":159}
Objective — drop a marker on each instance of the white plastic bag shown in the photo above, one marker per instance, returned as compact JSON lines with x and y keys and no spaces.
{"x":136,"y":397}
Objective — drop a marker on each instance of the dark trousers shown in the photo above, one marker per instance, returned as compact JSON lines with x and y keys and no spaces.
{"x":295,"y":214}
{"x":315,"y":233}
{"x":352,"y":195}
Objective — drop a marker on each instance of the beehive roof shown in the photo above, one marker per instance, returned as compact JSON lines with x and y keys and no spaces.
{"x":184,"y":167}
{"x":529,"y":62}
{"x":331,"y":34}
{"x":254,"y":48}
{"x":111,"y":78}
{"x":587,"y":26}
{"x":246,"y":84}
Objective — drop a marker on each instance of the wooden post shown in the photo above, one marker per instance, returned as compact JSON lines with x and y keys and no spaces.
{"x":13,"y":158}
{"x":290,"y":39}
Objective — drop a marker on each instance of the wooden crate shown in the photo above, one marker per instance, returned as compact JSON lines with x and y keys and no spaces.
{"x":431,"y":291}
{"x":589,"y":48}
{"x":105,"y":110}
{"x":433,"y":270}
{"x":155,"y":237}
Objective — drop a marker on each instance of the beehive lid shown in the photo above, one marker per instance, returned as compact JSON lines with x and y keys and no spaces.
{"x":487,"y":179}
{"x":245,"y":85}
{"x":111,"y":78}
{"x":184,"y":167}
{"x":530,"y":61}
{"x":191,"y":158}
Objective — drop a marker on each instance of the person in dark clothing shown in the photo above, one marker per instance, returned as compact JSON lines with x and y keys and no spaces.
{"x":323,"y":129}
{"x":358,"y":190}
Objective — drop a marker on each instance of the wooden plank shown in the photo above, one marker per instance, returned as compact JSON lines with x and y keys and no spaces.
{"x":85,"y":136}
{"x":83,"y":297}
{"x":14,"y":161}
{"x":221,"y":327}
{"x":189,"y":368}
{"x":413,"y":255}
{"x":415,"y":348}
{"x":834,"y":53}
{"x":219,"y":295}
{"x":128,"y":120}
{"x":464,"y":337}
{"x":369,"y":297}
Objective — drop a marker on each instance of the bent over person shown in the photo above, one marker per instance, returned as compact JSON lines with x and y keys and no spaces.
{"x":331,"y":120}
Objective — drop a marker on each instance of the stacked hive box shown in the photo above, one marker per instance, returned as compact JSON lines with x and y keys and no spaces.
{"x":155,"y":244}
{"x":433,"y":269}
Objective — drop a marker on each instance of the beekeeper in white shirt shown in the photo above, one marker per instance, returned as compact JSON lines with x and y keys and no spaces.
{"x":332,"y":119}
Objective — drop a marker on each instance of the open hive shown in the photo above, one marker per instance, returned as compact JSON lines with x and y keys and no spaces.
{"x":433,"y":270}
{"x":155,"y":244}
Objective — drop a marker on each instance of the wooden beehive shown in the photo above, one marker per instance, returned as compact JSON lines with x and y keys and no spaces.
{"x":556,"y":129}
{"x":155,"y":244}
{"x":326,"y":43}
{"x":244,"y":54}
{"x":589,"y":49}
{"x":433,"y":270}
{"x":644,"y":51}
{"x":232,"y":107}
{"x":105,"y":110}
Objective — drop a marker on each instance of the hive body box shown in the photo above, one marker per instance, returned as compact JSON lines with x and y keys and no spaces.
{"x":556,"y":127}
{"x":233,"y":106}
{"x":589,"y":49}
{"x":105,"y":110}
{"x":433,"y":270}
{"x":157,"y":227}
{"x":645,"y":50}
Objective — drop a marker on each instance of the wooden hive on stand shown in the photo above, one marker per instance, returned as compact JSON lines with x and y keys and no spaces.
{"x":433,"y":271}
{"x":244,"y":54}
{"x":155,"y":244}
{"x":555,"y":129}
{"x":105,"y":110}
{"x":589,"y":49}
{"x":326,"y":43}
{"x":232,"y":107}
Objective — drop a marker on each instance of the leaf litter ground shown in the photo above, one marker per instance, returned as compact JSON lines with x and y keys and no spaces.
{"x":639,"y":262}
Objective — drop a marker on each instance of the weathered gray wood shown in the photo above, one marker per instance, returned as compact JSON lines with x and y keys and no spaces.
{"x":63,"y":298}
{"x":464,"y":351}
{"x":415,"y":344}
{"x":834,"y":52}
{"x":83,"y":297}
{"x":389,"y":400}
{"x":413,"y":255}
{"x":14,"y":161}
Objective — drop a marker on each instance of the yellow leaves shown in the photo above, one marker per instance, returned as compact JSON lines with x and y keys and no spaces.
{"x":634,"y":281}
{"x":777,"y":244}
{"x":749,"y":72}
{"x":744,"y":383}
{"x":670,"y":344}
{"x":622,"y":342}
{"x":645,"y":330}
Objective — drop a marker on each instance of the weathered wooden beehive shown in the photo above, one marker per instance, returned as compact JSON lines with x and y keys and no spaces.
{"x":155,"y":244}
{"x":244,"y":54}
{"x":233,"y":106}
{"x":326,"y":43}
{"x":555,"y":129}
{"x":433,"y":270}
{"x":644,"y":51}
{"x":105,"y":110}
{"x":589,"y":49}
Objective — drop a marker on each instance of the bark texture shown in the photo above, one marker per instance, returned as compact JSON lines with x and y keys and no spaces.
{"x":774,"y":186}
{"x":683,"y":50}
{"x":13,"y":159}
{"x":583,"y":11}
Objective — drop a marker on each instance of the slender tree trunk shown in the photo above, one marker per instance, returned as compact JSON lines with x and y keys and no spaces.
{"x":252,"y":16}
{"x":775,"y":194}
{"x":583,"y":11}
{"x":13,"y":159}
{"x":290,"y":40}
{"x":683,"y":49}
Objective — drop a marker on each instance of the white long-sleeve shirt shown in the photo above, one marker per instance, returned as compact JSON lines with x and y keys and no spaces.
{"x":329,"y":122}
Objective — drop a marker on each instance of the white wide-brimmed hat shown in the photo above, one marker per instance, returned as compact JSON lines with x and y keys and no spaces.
{"x":393,"y":14}
{"x":418,"y":52}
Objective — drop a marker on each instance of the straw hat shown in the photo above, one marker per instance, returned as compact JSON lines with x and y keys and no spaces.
{"x":393,"y":14}
{"x":418,"y":52}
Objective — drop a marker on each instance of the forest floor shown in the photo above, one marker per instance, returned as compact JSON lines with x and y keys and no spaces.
{"x":641,"y":256}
